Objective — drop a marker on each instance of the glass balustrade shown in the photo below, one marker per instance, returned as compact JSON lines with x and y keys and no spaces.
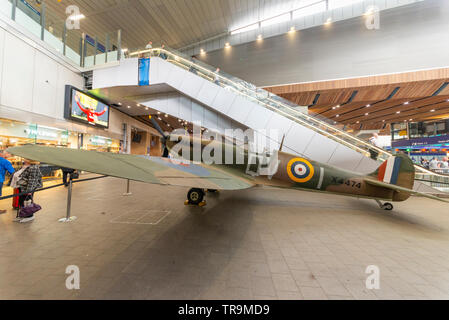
{"x":80,"y":48}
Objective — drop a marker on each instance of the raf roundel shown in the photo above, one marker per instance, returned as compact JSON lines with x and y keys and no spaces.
{"x":300,"y":170}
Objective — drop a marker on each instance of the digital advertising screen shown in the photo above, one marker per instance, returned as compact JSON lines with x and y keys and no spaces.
{"x":85,"y":108}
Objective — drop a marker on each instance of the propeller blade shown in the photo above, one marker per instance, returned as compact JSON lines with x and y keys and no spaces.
{"x":157,"y":127}
{"x":164,"y":137}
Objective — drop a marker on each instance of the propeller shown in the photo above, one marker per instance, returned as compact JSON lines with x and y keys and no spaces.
{"x":162,"y":133}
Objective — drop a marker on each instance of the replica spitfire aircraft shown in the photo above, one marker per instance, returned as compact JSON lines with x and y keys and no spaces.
{"x":392,"y":181}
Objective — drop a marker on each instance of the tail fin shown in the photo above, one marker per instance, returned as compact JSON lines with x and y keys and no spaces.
{"x":397,"y":170}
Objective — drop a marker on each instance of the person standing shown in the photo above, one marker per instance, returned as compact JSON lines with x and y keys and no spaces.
{"x":444,"y":164}
{"x":217,"y":77}
{"x":5,"y":166}
{"x":433,"y":164}
{"x":29,"y":181}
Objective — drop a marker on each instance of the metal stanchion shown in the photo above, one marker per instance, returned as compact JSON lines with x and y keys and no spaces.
{"x":128,"y":192}
{"x":68,"y":218}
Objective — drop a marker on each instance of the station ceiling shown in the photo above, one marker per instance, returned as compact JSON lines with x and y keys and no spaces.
{"x":177,"y":23}
{"x":374,"y":102}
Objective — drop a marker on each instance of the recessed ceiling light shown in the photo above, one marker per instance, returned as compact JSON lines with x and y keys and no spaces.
{"x":259,"y":37}
{"x":227,"y":45}
{"x":292,"y":30}
{"x":328,"y":21}
{"x":146,"y":108}
{"x":410,"y":119}
{"x":398,"y":112}
{"x":338,"y":106}
{"x":129,"y":107}
{"x":368,"y":105}
{"x":366,"y":114}
{"x":158,"y":112}
{"x":159,"y":118}
{"x":433,"y":110}
{"x":383,"y":120}
{"x":337,"y":115}
{"x":358,"y":122}
{"x":168,"y":124}
{"x":138,"y":104}
{"x":406,"y":103}
{"x":166,"y":115}
{"x":202,"y":51}
{"x":119,"y":103}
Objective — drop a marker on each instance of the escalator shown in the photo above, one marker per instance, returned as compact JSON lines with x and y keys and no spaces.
{"x":305,"y":134}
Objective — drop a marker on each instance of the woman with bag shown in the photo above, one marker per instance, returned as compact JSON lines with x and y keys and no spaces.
{"x":14,"y":184}
{"x":29,"y":180}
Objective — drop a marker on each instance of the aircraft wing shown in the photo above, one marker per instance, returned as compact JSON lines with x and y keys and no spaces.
{"x":154,"y":170}
{"x":402,"y":189}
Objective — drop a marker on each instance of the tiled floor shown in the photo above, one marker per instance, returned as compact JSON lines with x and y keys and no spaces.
{"x":254,"y":244}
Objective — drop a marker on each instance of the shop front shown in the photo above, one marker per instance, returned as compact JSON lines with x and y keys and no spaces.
{"x":101,"y":144}
{"x":15,"y":133}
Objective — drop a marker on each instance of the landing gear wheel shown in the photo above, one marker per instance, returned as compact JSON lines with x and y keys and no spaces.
{"x":195,"y":196}
{"x":387,"y":206}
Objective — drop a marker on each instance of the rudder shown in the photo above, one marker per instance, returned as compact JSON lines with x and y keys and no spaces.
{"x":398,"y":170}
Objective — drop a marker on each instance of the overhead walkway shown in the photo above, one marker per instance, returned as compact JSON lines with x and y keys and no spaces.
{"x":255,"y":108}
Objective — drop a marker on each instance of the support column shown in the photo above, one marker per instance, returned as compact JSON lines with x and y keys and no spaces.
{"x":107,"y":48}
{"x":43,"y":21}
{"x":68,"y":217}
{"x":119,"y":45}
{"x":13,"y":10}
{"x":64,"y":40}
{"x":96,"y":51}
{"x":128,"y":192}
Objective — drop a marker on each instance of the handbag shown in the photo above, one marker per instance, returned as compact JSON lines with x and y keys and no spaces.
{"x":29,"y":209}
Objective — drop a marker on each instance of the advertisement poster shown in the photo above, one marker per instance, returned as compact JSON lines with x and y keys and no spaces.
{"x":89,"y":110}
{"x":144,"y":72}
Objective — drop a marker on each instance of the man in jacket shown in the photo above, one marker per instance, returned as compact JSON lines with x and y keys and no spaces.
{"x":5,"y":166}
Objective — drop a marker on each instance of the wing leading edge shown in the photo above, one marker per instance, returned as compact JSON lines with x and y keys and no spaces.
{"x":139,"y":168}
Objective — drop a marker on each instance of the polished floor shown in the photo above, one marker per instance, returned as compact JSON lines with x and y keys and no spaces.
{"x":255,"y":244}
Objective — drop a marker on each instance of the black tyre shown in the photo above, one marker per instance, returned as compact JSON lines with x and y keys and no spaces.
{"x":387,"y":206}
{"x":195,"y":196}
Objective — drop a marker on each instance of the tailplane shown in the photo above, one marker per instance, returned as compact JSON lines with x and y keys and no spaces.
{"x":398,"y":170}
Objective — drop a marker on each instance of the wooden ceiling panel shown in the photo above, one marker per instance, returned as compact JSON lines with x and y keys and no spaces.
{"x":417,"y":89}
{"x":334,"y":97}
{"x":374,"y":93}
{"x":305,"y":99}
{"x":373,"y":104}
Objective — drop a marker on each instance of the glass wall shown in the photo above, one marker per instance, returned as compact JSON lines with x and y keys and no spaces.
{"x":414,"y":130}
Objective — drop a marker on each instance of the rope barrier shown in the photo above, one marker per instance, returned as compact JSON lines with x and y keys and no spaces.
{"x":50,"y":187}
